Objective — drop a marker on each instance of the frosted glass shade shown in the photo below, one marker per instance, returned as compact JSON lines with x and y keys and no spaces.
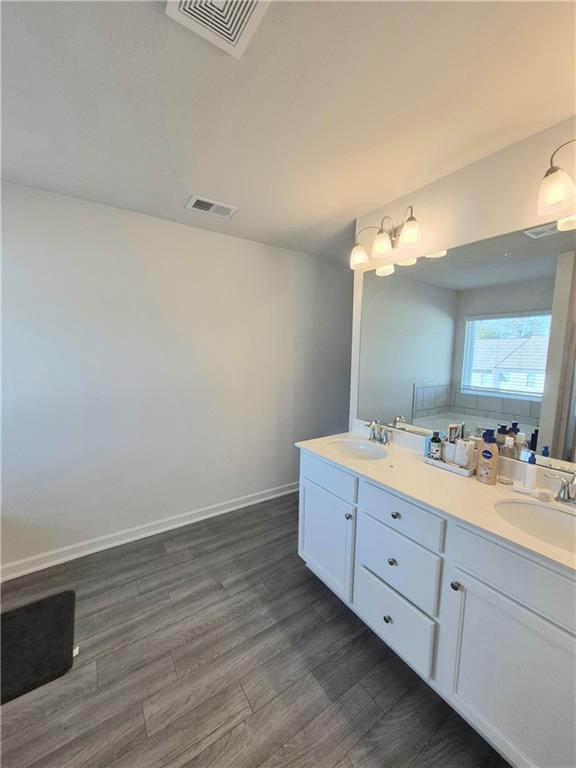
{"x":436,"y":254}
{"x":381,"y":245}
{"x":358,"y":257}
{"x":407,"y":262}
{"x":557,"y":192}
{"x":411,"y":234}
{"x":566,"y":224}
{"x":385,"y":271}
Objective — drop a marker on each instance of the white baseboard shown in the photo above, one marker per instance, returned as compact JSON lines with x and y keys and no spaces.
{"x":72,"y":552}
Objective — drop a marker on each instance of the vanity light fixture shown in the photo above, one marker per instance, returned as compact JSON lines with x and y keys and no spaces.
{"x":407,"y":236}
{"x":436,"y":254}
{"x":566,"y":224}
{"x":358,"y":257}
{"x":407,"y":262}
{"x":410,"y":234}
{"x":557,"y":190}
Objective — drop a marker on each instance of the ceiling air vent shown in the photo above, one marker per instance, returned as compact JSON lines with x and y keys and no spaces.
{"x":228,"y":24}
{"x":544,"y":231}
{"x":203,"y":205}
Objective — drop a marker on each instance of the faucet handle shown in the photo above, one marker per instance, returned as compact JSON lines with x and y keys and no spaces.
{"x":564,"y":494}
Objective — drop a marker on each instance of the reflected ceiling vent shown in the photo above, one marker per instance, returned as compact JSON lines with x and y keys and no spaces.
{"x":211,"y":207}
{"x":228,"y":24}
{"x":544,"y":231}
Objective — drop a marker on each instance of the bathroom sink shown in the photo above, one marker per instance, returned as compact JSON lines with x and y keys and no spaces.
{"x":357,"y":449}
{"x":547,"y":522}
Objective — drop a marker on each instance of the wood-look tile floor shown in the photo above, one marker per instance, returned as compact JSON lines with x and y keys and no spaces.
{"x":212,"y":646}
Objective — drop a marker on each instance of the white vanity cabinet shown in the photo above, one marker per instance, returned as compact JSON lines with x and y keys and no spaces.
{"x":511,"y":673}
{"x":489,"y":625}
{"x":327,"y":525}
{"x":396,"y":577}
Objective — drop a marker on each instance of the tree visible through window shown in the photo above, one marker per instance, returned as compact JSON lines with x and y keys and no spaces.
{"x":506,"y":356}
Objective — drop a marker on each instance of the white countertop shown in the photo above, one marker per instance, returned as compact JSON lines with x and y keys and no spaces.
{"x":404,"y":471}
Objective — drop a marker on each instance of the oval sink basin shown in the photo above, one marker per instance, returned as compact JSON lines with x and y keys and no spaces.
{"x":547,"y":522}
{"x":357,"y":449}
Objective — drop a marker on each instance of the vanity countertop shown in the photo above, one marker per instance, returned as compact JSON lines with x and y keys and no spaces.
{"x":403,"y":471}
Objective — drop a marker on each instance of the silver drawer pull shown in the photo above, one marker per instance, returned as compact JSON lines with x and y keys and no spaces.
{"x":387,"y":619}
{"x":348,"y":516}
{"x":455,"y":585}
{"x":392,"y":561}
{"x":395,"y":515}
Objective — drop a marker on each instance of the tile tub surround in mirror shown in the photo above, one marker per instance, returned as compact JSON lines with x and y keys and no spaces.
{"x":479,"y":336}
{"x":436,"y":405}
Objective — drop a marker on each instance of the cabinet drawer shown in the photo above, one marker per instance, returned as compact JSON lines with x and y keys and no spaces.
{"x":326,"y":475}
{"x":404,"y":565}
{"x":409,"y":632}
{"x":402,"y":516}
{"x":546,"y":592}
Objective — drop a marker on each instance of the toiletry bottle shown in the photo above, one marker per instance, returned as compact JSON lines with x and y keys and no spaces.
{"x":546,"y":452}
{"x":436,"y":446}
{"x":505,"y":469}
{"x":530,"y":472}
{"x":514,"y":429}
{"x":534,"y":440}
{"x":487,"y":469}
{"x":519,"y":444}
{"x":501,"y":435}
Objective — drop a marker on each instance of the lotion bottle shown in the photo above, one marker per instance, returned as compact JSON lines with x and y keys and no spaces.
{"x":488,"y":459}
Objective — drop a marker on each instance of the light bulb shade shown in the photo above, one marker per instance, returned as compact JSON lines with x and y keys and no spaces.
{"x":385,"y":271}
{"x":411,"y":234}
{"x":381,"y":245}
{"x":566,"y":224}
{"x":407,"y":262}
{"x":436,"y":254}
{"x":358,"y":257}
{"x":557,"y":192}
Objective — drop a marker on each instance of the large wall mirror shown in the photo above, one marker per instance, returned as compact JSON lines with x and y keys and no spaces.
{"x":483,"y":336}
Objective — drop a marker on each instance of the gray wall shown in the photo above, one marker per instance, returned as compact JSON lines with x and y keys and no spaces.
{"x":152,"y":369}
{"x":407,"y":336}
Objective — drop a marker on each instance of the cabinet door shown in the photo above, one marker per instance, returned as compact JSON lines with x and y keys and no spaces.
{"x":512,"y":673}
{"x":326,"y":537}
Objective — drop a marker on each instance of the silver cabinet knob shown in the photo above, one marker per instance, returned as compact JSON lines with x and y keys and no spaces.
{"x":392,"y":561}
{"x":395,"y":515}
{"x":455,"y":585}
{"x":387,"y":619}
{"x":348,"y":516}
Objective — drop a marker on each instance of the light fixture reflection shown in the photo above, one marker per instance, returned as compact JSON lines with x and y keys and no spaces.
{"x":385,"y":271}
{"x":436,"y":254}
{"x":407,"y":263}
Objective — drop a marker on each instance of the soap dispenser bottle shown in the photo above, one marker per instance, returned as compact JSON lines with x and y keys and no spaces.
{"x":488,"y":459}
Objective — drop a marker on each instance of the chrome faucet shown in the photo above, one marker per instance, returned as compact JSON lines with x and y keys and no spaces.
{"x":379,"y":432}
{"x":567,"y":491}
{"x":398,"y":420}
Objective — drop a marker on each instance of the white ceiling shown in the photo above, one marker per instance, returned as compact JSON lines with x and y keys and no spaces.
{"x":334,"y":109}
{"x":510,"y":258}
